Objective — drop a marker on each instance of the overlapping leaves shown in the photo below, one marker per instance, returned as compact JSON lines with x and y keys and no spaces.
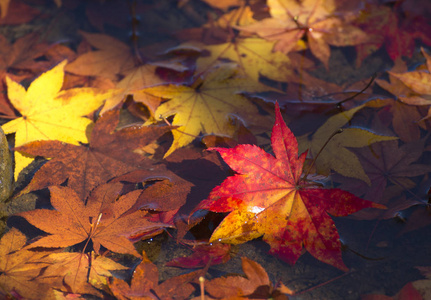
{"x":270,"y":197}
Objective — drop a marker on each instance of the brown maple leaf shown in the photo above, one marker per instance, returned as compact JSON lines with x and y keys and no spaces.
{"x":109,"y":154}
{"x":27,"y":56}
{"x":80,"y":273}
{"x":419,"y":83}
{"x":102,"y":219}
{"x":114,"y":59}
{"x":144,"y":284}
{"x":387,"y":164}
{"x":404,"y":117}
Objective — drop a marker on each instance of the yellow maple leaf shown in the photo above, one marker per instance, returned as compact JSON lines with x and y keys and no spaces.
{"x":48,"y":113}
{"x":254,"y":57}
{"x":206,"y":106}
{"x":335,"y":156}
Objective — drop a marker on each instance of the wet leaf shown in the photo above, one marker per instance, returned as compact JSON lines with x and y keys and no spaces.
{"x":386,"y":163}
{"x":254,"y":58}
{"x":269,"y":197}
{"x":255,"y":285}
{"x":144,"y":284}
{"x":80,"y":273}
{"x":419,"y":83}
{"x":207,"y":105}
{"x":335,"y":155}
{"x":19,"y":268}
{"x":101,"y":219}
{"x":317,"y":20}
{"x":110,"y":153}
{"x":48,"y":114}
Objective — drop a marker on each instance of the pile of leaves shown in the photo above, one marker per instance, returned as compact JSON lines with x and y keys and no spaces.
{"x":117,"y":142}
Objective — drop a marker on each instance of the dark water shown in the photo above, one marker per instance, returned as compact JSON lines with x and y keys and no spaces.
{"x":382,"y":253}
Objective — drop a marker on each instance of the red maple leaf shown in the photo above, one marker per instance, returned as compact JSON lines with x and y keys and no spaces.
{"x":269,"y":196}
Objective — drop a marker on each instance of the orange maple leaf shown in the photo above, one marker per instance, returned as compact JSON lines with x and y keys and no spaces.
{"x":270,"y":197}
{"x":102,"y":219}
{"x":256,"y":285}
{"x":145,"y":284}
{"x":83,"y":273}
{"x":20,"y":267}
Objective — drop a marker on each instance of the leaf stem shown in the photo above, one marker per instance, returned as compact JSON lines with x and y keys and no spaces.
{"x":338,"y":105}
{"x":340,"y":130}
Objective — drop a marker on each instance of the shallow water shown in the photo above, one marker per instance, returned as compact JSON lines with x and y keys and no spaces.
{"x":381,"y":251}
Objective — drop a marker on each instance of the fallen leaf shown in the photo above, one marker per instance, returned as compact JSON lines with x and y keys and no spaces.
{"x":144,"y":284}
{"x":335,"y":155}
{"x":219,"y":30}
{"x":80,"y":273}
{"x":386,"y":163}
{"x":110,"y":153}
{"x":145,"y":278}
{"x":254,"y":57}
{"x":113,"y":57}
{"x":20,"y":267}
{"x":255,"y":285}
{"x":420,"y":84}
{"x":317,"y":20}
{"x":161,"y":194}
{"x":207,"y":105}
{"x":48,"y":114}
{"x":100,"y":220}
{"x":268,"y":197}
{"x":405,"y":117}
{"x":393,"y":28}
